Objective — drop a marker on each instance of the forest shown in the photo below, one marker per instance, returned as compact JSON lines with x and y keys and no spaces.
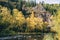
{"x":31,"y":18}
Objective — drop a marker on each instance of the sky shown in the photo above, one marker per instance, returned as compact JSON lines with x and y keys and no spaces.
{"x":49,"y":1}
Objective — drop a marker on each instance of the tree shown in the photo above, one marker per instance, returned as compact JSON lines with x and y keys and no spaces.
{"x":34,"y":23}
{"x":4,"y":18}
{"x":19,"y":18}
{"x":56,"y":24}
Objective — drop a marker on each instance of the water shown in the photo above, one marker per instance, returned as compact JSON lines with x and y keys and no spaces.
{"x":29,"y":37}
{"x":23,"y":37}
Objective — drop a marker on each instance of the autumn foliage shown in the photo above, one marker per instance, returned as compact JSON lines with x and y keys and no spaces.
{"x":56,"y":24}
{"x":16,"y":22}
{"x":34,"y":22}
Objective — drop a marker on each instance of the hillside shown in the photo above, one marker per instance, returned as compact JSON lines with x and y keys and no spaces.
{"x":28,"y":18}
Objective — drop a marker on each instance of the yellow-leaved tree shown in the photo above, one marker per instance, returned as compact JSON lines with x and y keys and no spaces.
{"x":56,"y":24}
{"x":5,"y":14}
{"x":34,"y":22}
{"x":18,"y":17}
{"x":5,"y":18}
